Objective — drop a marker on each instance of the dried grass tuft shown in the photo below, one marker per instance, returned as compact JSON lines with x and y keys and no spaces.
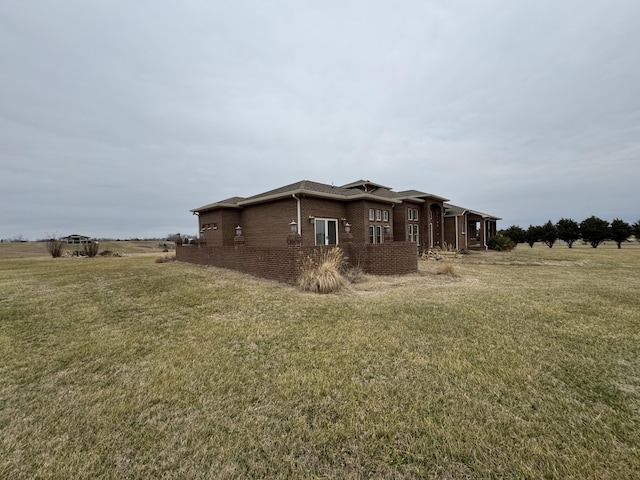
{"x":165,"y":258}
{"x":322,"y":274}
{"x":447,"y":268}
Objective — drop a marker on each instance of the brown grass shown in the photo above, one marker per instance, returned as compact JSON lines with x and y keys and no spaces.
{"x":525,"y":366}
{"x":168,"y":257}
{"x":447,"y":268}
{"x":322,"y":274}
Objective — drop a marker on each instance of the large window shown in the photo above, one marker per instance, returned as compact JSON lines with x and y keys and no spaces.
{"x":413,"y":233}
{"x":375,"y":234}
{"x":326,"y":230}
{"x":378,"y":234}
{"x":412,"y":214}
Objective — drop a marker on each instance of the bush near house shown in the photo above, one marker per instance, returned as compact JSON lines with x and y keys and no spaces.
{"x":323,"y":274}
{"x":501,"y":243}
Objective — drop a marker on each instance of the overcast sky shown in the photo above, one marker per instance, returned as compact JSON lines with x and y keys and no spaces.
{"x":118,"y":117}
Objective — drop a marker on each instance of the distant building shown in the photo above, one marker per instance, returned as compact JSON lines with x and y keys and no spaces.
{"x":76,"y":239}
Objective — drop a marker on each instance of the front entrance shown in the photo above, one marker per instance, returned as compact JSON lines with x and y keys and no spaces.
{"x":326,"y":231}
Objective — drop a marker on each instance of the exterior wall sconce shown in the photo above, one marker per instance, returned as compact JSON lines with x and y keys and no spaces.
{"x":347,"y":227}
{"x":294,"y":239}
{"x":312,"y":219}
{"x":238,"y":231}
{"x":387,"y":229}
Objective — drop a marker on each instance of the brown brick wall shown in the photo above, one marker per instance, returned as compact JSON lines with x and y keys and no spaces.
{"x":212,"y":234}
{"x":450,"y":231}
{"x":267,"y":224}
{"x":320,"y":208}
{"x":395,"y":258}
{"x":283,"y":263}
{"x":400,"y":222}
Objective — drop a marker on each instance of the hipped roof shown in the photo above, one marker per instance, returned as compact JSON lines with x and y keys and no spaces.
{"x":359,"y":190}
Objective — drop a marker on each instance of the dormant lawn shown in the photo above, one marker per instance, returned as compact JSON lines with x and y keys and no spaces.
{"x":525,"y":365}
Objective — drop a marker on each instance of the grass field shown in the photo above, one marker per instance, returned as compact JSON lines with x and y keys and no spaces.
{"x":39,"y":249}
{"x":524,"y":365}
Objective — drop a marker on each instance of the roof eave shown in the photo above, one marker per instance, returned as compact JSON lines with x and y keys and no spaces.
{"x":214,"y":206}
{"x":313,"y":193}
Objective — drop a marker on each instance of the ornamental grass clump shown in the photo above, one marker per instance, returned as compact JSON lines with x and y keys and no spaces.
{"x":448,"y":269}
{"x":322,"y":274}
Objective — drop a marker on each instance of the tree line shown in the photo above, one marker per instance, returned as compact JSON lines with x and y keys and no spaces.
{"x":592,"y":230}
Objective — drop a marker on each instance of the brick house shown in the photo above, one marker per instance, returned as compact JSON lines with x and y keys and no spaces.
{"x":379,"y":230}
{"x":468,"y":229}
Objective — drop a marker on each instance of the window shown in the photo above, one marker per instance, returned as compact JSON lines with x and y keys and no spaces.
{"x":385,"y":215}
{"x":326,"y":231}
{"x":410,"y":214}
{"x":375,"y":233}
{"x":415,"y":214}
{"x":371,"y":214}
{"x":413,"y":233}
{"x":378,"y":215}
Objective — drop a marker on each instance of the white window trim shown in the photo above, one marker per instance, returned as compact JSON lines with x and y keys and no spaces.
{"x":379,"y":234}
{"x":326,"y":220}
{"x":372,"y":214}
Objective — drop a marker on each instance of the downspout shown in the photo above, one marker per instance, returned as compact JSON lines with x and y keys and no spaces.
{"x":299,"y":222}
{"x":484,"y":234}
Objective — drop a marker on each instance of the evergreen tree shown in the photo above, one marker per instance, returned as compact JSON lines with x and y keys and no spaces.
{"x":549,"y":234}
{"x":635,"y":230}
{"x":515,"y":233}
{"x":594,"y":230}
{"x":533,"y":235}
{"x":568,"y":231}
{"x":620,"y":231}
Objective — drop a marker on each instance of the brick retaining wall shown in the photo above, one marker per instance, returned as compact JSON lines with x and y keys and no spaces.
{"x":283,"y":263}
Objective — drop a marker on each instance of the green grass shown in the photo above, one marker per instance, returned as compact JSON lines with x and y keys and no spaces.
{"x":525,"y":365}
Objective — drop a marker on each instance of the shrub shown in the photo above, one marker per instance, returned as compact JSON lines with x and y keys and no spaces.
{"x":322,"y":275}
{"x":91,"y":249}
{"x":501,"y":243}
{"x":54,"y":247}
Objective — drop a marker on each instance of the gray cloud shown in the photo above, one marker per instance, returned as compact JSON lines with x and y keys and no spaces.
{"x":118,"y":117}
